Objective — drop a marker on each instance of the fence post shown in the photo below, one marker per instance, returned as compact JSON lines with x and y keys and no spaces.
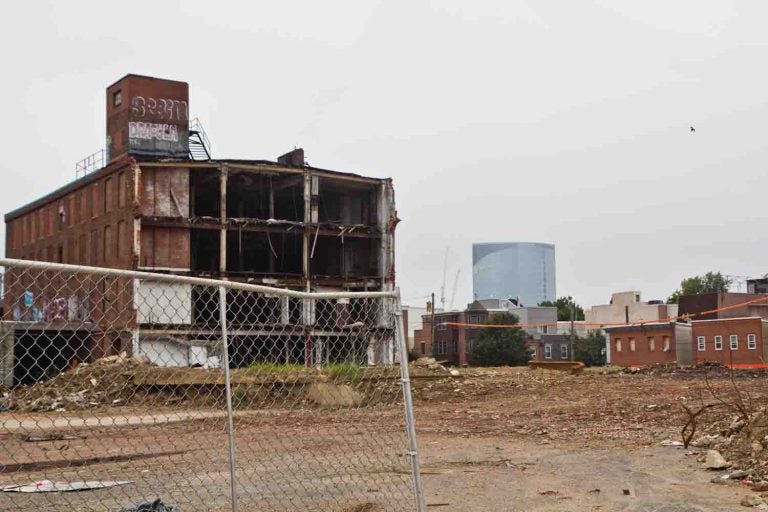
{"x":228,"y":390}
{"x":413,"y":451}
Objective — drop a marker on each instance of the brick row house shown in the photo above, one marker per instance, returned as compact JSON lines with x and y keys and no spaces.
{"x":736,"y":342}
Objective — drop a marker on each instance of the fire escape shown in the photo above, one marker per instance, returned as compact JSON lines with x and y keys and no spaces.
{"x":199,"y":144}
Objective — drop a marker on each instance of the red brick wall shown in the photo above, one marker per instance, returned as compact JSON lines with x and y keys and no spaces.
{"x":741,"y":327}
{"x":643,"y":354}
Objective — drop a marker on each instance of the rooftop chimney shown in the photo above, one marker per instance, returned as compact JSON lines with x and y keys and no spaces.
{"x":147,"y":116}
{"x":293,"y":158}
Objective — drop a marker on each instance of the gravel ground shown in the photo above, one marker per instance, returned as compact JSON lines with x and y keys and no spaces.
{"x":490,"y":439}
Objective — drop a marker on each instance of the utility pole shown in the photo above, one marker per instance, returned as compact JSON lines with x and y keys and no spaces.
{"x":432,"y":330}
{"x":573,"y":332}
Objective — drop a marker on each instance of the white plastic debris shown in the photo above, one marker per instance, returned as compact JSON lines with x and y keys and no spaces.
{"x":48,"y":486}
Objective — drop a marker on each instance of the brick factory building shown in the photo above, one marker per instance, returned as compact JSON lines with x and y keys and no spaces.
{"x":159,"y":203}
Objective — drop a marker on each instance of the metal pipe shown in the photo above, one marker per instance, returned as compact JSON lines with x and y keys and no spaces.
{"x":199,"y":281}
{"x":410,"y":421}
{"x":228,"y":389}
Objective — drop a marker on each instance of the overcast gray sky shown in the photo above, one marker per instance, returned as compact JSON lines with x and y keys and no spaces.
{"x":554,"y":121}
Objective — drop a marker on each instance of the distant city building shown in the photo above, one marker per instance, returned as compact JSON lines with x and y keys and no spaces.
{"x":628,"y":307}
{"x":454,"y":333}
{"x":711,"y":306}
{"x":757,"y":285}
{"x":514,"y":270}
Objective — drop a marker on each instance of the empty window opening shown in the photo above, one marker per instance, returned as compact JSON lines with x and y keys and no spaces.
{"x":347,"y":203}
{"x":205,"y":193}
{"x":248,"y":195}
{"x":344,"y":257}
{"x":264,"y":253}
{"x":205,"y":249}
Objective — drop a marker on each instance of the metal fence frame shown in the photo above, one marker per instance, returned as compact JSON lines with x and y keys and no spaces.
{"x":223,"y":286}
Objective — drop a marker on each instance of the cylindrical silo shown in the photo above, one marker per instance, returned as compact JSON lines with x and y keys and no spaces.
{"x":514,"y":269}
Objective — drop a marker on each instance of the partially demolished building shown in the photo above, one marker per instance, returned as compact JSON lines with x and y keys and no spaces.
{"x":161,"y":204}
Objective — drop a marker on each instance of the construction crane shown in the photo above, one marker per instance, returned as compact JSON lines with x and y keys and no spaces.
{"x":445,"y":271}
{"x":455,"y":286}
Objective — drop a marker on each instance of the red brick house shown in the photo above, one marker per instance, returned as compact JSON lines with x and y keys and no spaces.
{"x":732,"y":341}
{"x":648,"y":344}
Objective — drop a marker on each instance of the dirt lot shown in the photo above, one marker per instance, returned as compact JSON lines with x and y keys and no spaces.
{"x":492,"y":439}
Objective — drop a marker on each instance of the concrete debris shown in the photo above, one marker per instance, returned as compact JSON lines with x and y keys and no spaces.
{"x":669,"y":442}
{"x":106,"y":382}
{"x":707,"y":441}
{"x":760,"y":486}
{"x":715,"y":461}
{"x":750,"y":500}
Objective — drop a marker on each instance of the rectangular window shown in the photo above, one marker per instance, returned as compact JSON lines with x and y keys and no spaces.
{"x":108,"y":245}
{"x":651,"y":344}
{"x":83,"y":251}
{"x":702,"y":343}
{"x":94,"y":202}
{"x":666,"y":343}
{"x":548,"y":351}
{"x":618,"y":344}
{"x":563,"y":351}
{"x":751,"y":342}
{"x":631,"y":344}
{"x":423,"y":347}
{"x":121,"y":191}
{"x":83,"y":205}
{"x":734,"y":341}
{"x":109,"y":196}
{"x":71,"y":211}
{"x":121,"y":240}
{"x":94,"y":247}
{"x":718,"y":343}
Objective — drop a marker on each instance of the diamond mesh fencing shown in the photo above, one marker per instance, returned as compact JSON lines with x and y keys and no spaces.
{"x":122,"y":388}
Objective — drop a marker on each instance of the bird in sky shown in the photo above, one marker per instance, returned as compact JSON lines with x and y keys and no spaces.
{"x":693,"y":130}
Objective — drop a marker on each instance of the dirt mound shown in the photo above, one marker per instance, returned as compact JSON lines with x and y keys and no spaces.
{"x":106,"y":382}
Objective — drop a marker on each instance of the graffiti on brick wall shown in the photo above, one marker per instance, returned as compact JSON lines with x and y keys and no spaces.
{"x":159,"y":109}
{"x":153,"y":131}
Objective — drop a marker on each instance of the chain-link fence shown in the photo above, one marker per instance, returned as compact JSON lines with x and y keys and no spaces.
{"x":123,"y":387}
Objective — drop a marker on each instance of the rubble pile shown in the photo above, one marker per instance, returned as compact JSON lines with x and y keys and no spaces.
{"x":739,"y":447}
{"x":105,"y":382}
{"x":711,"y":370}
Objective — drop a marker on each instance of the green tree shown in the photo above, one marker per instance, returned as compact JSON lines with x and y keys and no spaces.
{"x":501,"y":346}
{"x":711,"y":282}
{"x":564,"y":307}
{"x":591,"y":350}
